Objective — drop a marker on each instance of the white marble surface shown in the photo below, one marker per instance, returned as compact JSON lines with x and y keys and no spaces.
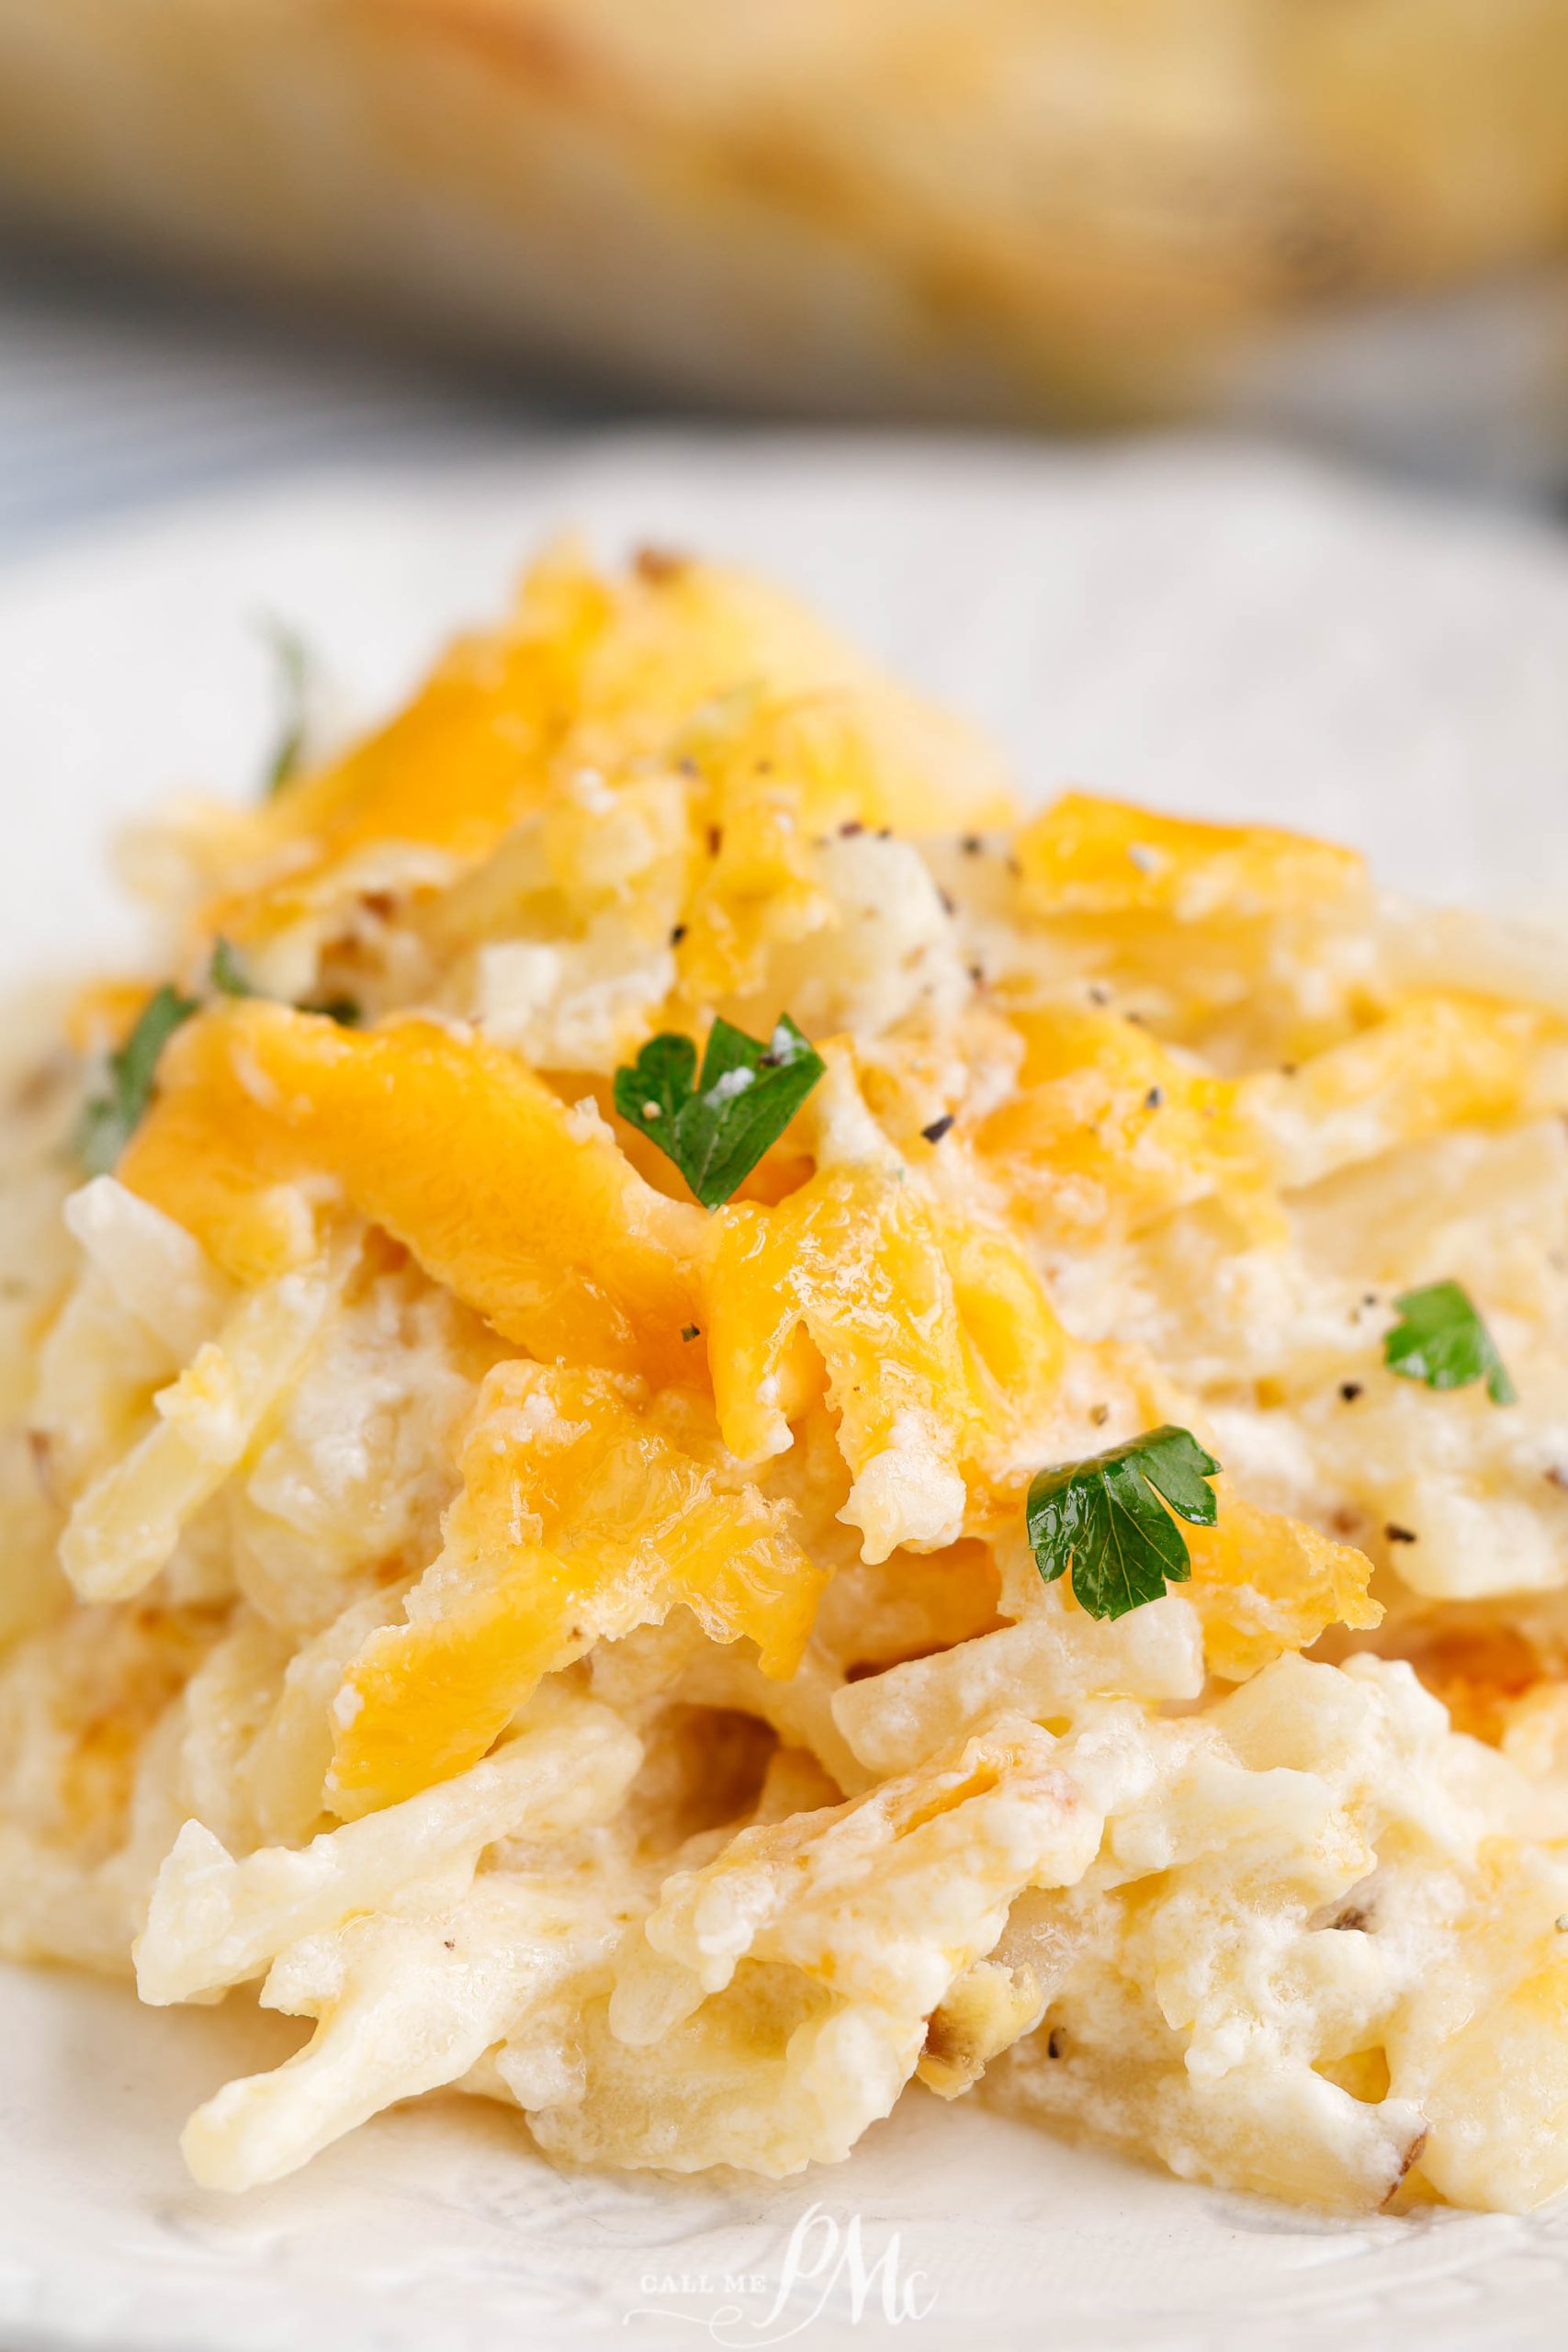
{"x":1224,"y":632}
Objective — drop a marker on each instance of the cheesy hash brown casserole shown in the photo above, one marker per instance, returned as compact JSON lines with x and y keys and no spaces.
{"x":694,"y":1424}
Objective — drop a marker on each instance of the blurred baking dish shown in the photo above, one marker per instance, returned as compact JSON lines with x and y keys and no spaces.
{"x":1014,"y":208}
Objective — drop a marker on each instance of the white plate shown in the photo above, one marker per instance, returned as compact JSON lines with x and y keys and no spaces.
{"x":1228,"y":633}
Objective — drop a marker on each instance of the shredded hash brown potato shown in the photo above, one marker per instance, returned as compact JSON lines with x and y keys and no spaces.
{"x":585,"y":1649}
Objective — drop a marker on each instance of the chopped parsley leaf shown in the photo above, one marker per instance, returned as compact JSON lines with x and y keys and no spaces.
{"x":1440,"y":1338}
{"x":292,"y":657}
{"x":109,"y":1120}
{"x":1105,"y":1518}
{"x":715,"y":1126}
{"x":228,"y":977}
{"x":225,"y":972}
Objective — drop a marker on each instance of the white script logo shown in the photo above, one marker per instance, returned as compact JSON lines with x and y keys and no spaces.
{"x":825,"y":2262}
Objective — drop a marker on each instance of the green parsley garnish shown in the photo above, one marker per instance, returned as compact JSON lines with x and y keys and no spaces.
{"x":1105,"y":1518}
{"x":1441,"y":1339}
{"x":346,"y":1011}
{"x":110,"y":1119}
{"x":716,"y":1126}
{"x":228,"y":977}
{"x":292,"y":657}
{"x":225,"y":972}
